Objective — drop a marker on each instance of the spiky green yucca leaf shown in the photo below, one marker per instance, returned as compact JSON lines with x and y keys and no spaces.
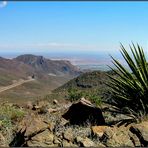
{"x":130,"y":88}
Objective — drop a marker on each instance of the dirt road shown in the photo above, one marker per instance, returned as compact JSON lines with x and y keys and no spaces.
{"x":20,"y":82}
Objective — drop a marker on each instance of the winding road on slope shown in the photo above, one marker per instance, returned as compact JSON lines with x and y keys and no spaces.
{"x":20,"y":82}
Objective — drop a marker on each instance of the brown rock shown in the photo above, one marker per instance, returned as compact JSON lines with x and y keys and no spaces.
{"x":55,"y":101}
{"x":52,"y":110}
{"x":35,"y":107}
{"x":3,"y":141}
{"x":65,"y":143}
{"x":44,"y":139}
{"x":83,"y":112}
{"x":85,"y":142}
{"x":29,"y":105}
{"x":68,"y":135}
{"x":88,"y":143}
{"x":100,"y":145}
{"x":32,"y":123}
{"x":98,"y":130}
{"x":63,"y":122}
{"x":86,"y":102}
{"x":118,"y":137}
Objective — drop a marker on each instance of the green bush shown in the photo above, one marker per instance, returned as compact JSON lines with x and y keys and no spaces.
{"x":95,"y":99}
{"x":10,"y":115}
{"x":130,"y":89}
{"x":74,"y":94}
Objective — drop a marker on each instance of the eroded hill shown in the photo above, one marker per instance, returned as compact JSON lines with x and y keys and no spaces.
{"x":48,"y":75}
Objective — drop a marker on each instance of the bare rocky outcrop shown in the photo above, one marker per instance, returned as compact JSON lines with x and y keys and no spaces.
{"x":43,"y":139}
{"x":117,"y":137}
{"x":29,"y":131}
{"x":51,"y":130}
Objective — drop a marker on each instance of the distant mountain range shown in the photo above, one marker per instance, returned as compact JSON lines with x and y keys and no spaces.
{"x":48,"y":74}
{"x":43,"y":65}
{"x":29,"y":65}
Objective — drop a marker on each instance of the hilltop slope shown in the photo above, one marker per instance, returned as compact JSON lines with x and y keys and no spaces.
{"x":90,"y":85}
{"x":48,"y":75}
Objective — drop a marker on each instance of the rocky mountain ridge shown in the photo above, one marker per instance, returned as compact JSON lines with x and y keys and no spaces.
{"x":29,"y":65}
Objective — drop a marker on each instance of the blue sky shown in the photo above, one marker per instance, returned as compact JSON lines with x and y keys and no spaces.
{"x":72,"y":26}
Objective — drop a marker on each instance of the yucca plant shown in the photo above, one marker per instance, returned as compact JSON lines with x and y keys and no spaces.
{"x":130,"y":88}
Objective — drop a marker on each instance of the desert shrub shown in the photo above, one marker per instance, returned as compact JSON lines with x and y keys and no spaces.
{"x":95,"y":99}
{"x":74,"y":94}
{"x":130,"y":89}
{"x":9,"y":115}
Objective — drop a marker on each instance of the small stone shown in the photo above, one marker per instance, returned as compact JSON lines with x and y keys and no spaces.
{"x":55,"y":101}
{"x":2,"y":141}
{"x":65,"y":143}
{"x":51,"y":126}
{"x":79,"y":139}
{"x":100,"y":145}
{"x":88,"y":143}
{"x":85,"y":142}
{"x":98,"y":130}
{"x":42,"y":139}
{"x":68,"y":135}
{"x":29,"y":105}
{"x":51,"y":110}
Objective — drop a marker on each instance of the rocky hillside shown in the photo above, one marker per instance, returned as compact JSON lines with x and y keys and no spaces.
{"x":48,"y":75}
{"x":49,"y":124}
{"x":12,"y":70}
{"x":87,"y":80}
{"x":89,"y":85}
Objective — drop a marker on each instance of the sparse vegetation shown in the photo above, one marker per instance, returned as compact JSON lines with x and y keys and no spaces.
{"x":75,"y":94}
{"x":90,"y":85}
{"x":9,"y":115}
{"x":130,"y":89}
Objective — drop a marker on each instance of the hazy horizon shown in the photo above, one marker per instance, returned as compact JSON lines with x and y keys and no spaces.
{"x":85,"y":33}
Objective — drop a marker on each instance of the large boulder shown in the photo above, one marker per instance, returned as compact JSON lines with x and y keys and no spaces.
{"x":44,"y":139}
{"x":83,"y":112}
{"x":30,"y":129}
{"x":33,"y":124}
{"x":117,"y":137}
